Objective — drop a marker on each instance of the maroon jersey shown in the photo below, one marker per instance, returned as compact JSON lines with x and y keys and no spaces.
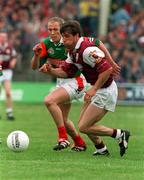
{"x":7,"y":53}
{"x":91,"y":72}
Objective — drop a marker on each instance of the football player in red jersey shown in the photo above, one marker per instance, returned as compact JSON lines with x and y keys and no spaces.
{"x":8,"y":62}
{"x":101,"y":97}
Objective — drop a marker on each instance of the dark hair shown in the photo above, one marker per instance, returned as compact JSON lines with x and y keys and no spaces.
{"x":56,"y":19}
{"x":72,"y":27}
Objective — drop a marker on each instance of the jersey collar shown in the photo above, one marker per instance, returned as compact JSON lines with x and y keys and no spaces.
{"x":59,"y":43}
{"x":81,"y":39}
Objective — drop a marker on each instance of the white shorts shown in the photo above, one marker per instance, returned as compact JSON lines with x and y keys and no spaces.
{"x":106,"y":98}
{"x":71,"y":86}
{"x":7,"y":75}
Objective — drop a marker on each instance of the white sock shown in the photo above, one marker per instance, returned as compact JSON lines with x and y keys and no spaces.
{"x":102,"y":149}
{"x":9,"y":110}
{"x":119,"y":134}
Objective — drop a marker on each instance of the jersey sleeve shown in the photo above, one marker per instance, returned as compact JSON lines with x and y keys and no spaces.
{"x":70,"y":69}
{"x":88,"y":59}
{"x":43,"y":55}
{"x":44,"y":50}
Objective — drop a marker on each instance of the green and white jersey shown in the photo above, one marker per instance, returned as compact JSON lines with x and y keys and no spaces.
{"x":56,"y":54}
{"x":52,"y":51}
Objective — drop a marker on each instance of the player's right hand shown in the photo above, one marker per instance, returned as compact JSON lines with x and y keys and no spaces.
{"x":37,"y":49}
{"x":45,"y":68}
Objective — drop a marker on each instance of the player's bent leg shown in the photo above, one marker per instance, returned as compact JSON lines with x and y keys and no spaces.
{"x":122,"y":135}
{"x":85,"y":105}
{"x":79,"y":144}
{"x":88,"y":119}
{"x":51,"y":101}
{"x":87,"y":126}
{"x":65,"y":108}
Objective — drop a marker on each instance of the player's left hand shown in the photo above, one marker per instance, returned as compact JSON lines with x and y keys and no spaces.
{"x":116,"y":69}
{"x":89,"y":94}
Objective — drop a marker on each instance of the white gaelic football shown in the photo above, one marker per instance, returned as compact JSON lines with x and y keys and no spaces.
{"x":18,"y":141}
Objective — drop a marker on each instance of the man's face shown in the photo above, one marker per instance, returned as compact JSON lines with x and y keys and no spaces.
{"x":54,"y":31}
{"x":3,"y":37}
{"x":69,"y":40}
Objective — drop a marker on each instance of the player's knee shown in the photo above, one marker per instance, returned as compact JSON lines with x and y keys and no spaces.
{"x":49,"y":100}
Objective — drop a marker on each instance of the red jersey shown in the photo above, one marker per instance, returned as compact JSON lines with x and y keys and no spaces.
{"x":7,"y":53}
{"x":88,"y":67}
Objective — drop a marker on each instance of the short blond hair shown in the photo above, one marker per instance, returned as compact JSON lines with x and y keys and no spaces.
{"x":57,"y":19}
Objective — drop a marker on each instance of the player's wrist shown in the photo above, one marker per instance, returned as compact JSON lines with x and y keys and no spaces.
{"x":37,"y":55}
{"x":112,"y":62}
{"x":95,"y":88}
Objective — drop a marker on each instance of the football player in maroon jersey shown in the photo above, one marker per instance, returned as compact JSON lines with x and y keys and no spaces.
{"x":101,"y":97}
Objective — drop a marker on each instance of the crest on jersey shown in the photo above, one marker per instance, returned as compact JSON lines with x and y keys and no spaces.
{"x":50,"y":51}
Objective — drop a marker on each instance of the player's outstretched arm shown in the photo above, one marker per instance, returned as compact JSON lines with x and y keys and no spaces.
{"x":57,"y":72}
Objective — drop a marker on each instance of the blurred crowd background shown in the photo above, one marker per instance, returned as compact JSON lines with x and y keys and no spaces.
{"x":26,"y":23}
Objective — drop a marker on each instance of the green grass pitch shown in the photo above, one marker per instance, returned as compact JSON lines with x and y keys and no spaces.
{"x":40,"y":162}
